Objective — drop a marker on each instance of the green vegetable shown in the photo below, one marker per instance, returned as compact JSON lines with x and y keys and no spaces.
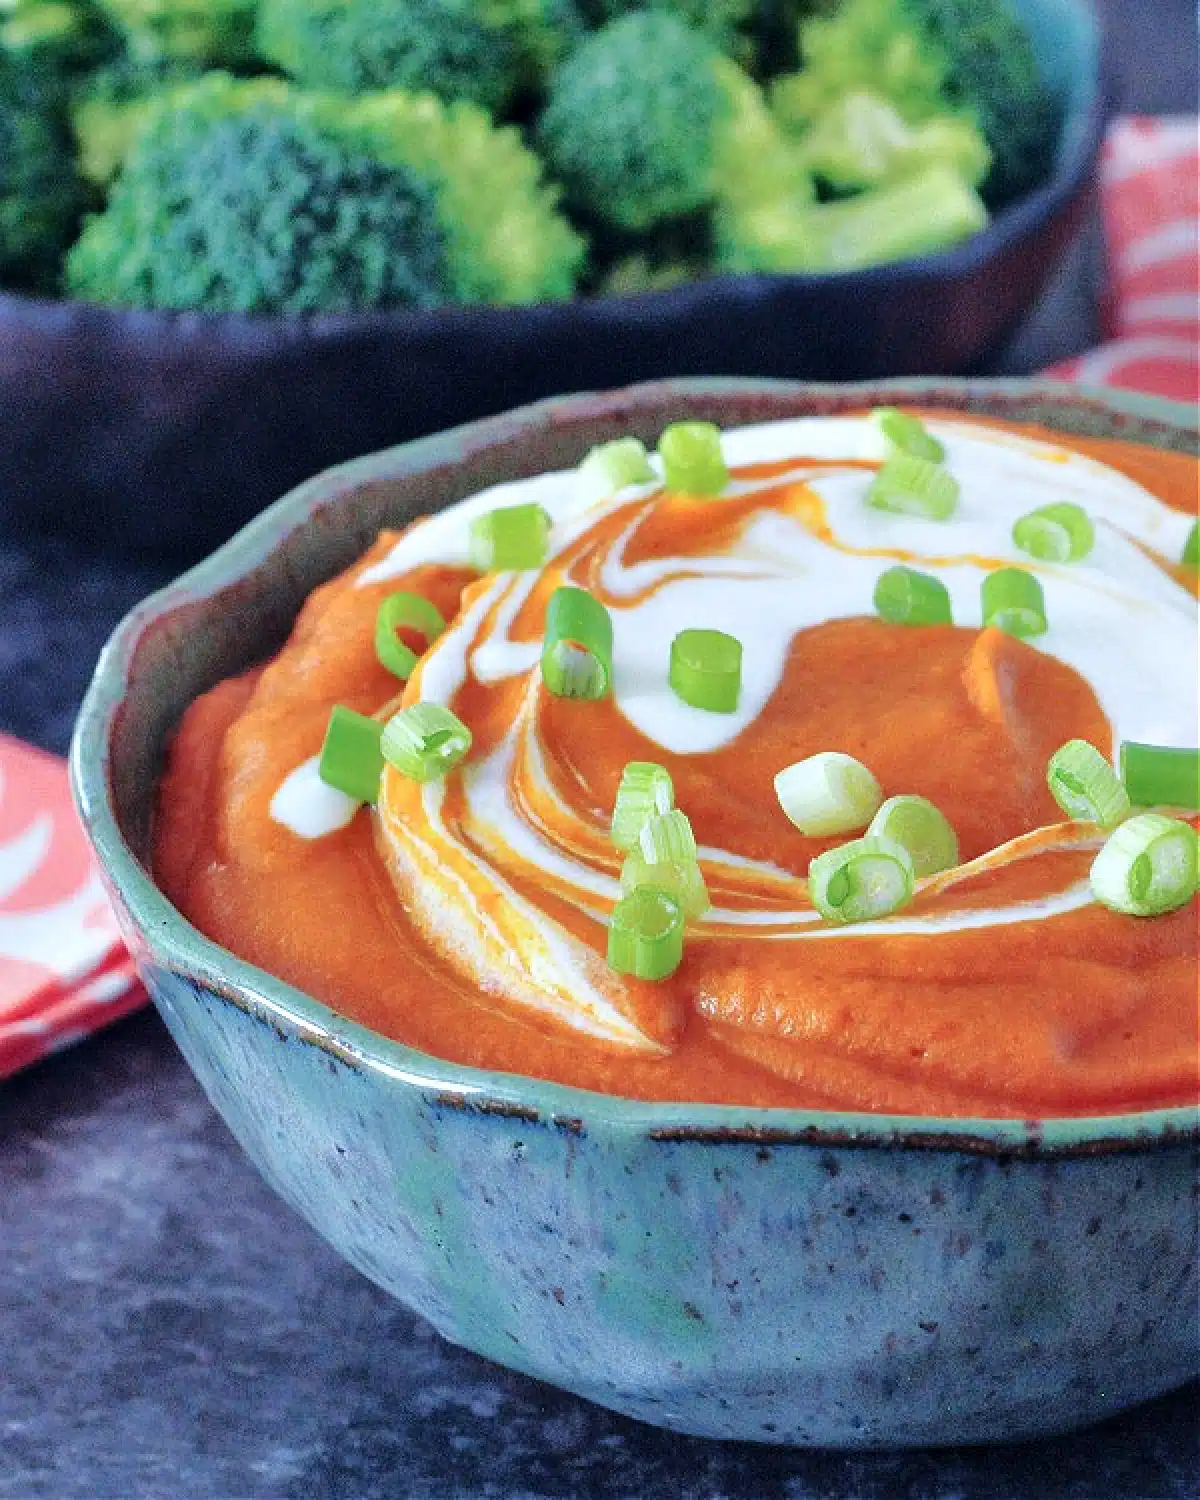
{"x":61,"y":39}
{"x":1055,"y":533}
{"x":913,"y":486}
{"x":1012,"y":600}
{"x":681,"y":879}
{"x":424,"y":741}
{"x":1085,"y":786}
{"x":167,"y":239}
{"x":351,"y":758}
{"x":857,"y":882}
{"x":905,"y":596}
{"x":706,"y":670}
{"x":399,"y":611}
{"x":692,"y":459}
{"x":828,"y":793}
{"x":645,"y":791}
{"x":215,"y":32}
{"x":645,"y":934}
{"x":919,"y":827}
{"x":456,"y":49}
{"x":1148,"y":867}
{"x":628,"y":126}
{"x":719,"y":20}
{"x":1161,"y":775}
{"x":609,"y":467}
{"x":510,"y":537}
{"x":577,"y":649}
{"x":933,"y":59}
{"x":863,"y":141}
{"x":41,"y":195}
{"x":107,"y":114}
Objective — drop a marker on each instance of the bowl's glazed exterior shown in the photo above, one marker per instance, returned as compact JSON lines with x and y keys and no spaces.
{"x":788,"y":1276}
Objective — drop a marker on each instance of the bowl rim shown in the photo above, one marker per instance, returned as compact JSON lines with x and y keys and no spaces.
{"x":179,"y":948}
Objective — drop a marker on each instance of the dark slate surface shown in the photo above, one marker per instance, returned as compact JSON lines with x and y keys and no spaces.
{"x":170,"y":1331}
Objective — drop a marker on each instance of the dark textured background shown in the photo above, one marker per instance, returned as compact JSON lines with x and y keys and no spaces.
{"x":170,"y":1331}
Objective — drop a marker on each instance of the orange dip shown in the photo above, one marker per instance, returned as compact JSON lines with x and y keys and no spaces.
{"x":1002,"y":990}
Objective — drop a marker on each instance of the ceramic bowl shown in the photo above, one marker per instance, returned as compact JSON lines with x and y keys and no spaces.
{"x":212,"y":417}
{"x":790,"y":1276}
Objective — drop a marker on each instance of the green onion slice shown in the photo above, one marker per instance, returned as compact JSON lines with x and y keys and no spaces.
{"x":706,"y":669}
{"x":905,"y":434}
{"x":828,"y":793}
{"x":914,"y":486}
{"x":869,"y":877}
{"x":351,"y":759}
{"x":424,"y":741}
{"x":921,"y":828}
{"x":610,"y":467}
{"x":513,"y":538}
{"x":692,"y":459}
{"x":1147,"y":867}
{"x":1085,"y":786}
{"x":645,"y":934}
{"x":1013,"y":602}
{"x":396,"y":612}
{"x":1161,"y":776}
{"x":646,"y":791}
{"x":903,"y":596}
{"x":667,"y":836}
{"x":577,"y":652}
{"x":681,"y":879}
{"x":1191,"y":548}
{"x":1056,"y":533}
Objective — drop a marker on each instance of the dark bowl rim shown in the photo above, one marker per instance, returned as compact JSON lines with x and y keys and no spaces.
{"x":1015,"y":222}
{"x":177,"y":947}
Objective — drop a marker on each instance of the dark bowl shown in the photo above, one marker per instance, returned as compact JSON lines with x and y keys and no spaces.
{"x":168,"y":431}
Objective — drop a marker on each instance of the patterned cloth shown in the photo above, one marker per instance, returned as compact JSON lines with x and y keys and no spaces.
{"x":63,"y":970}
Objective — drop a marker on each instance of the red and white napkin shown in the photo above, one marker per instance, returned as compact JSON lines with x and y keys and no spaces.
{"x":63,"y":970}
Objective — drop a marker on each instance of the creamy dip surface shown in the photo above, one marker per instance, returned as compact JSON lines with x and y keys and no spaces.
{"x":468,"y":916}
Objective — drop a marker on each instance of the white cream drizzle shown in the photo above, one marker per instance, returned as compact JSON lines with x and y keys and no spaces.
{"x":1117,"y":619}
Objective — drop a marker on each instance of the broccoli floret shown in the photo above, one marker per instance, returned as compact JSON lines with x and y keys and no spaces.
{"x":931,"y":59}
{"x":319,"y":201}
{"x":207,"y":32}
{"x":457,"y":49}
{"x":261,"y":211}
{"x":629,"y":124}
{"x":41,"y":196}
{"x":863,"y":141}
{"x":107,"y":113}
{"x":58,"y":38}
{"x":719,"y":20}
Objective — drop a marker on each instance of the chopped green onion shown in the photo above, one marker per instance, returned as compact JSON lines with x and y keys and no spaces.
{"x":903,"y":596}
{"x":424,"y":741}
{"x":706,"y":669}
{"x":610,"y":467}
{"x":914,"y":486}
{"x":1056,"y":533}
{"x":680,"y":879}
{"x":692,"y":458}
{"x":351,"y":759}
{"x":1085,"y":786}
{"x":667,"y":836}
{"x":645,"y":934}
{"x":828,"y":793}
{"x":1161,"y":776}
{"x":869,"y":877}
{"x":396,"y":612}
{"x":646,"y":790}
{"x":921,"y":828}
{"x":1147,"y":867}
{"x":511,"y":539}
{"x":577,"y":653}
{"x":905,"y":434}
{"x":1013,"y":602}
{"x":1191,"y":548}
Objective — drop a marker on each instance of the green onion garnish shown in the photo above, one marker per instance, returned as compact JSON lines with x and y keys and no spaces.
{"x":610,"y":467}
{"x":692,"y":460}
{"x":645,"y":791}
{"x":866,"y":878}
{"x":1013,"y":602}
{"x":1147,"y":867}
{"x":1085,"y":786}
{"x":905,"y":434}
{"x":903,"y":596}
{"x":828,"y":793}
{"x":1056,"y":533}
{"x":1161,"y":776}
{"x":577,"y":653}
{"x":1191,"y":548}
{"x":914,"y":486}
{"x":424,"y":741}
{"x":667,"y":836}
{"x":921,"y":828}
{"x":645,"y":934}
{"x":396,"y":612}
{"x":513,"y":538}
{"x":681,"y":879}
{"x":706,"y":669}
{"x":351,"y":759}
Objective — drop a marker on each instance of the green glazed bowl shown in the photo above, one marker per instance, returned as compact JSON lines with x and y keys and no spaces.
{"x":790,"y":1276}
